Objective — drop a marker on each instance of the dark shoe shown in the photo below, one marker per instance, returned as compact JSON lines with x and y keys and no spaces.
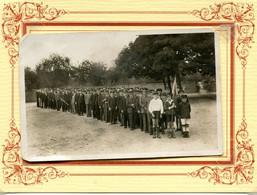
{"x":158,"y":132}
{"x":187,"y":134}
{"x":178,"y":130}
{"x":154,"y":132}
{"x":173,"y":134}
{"x":184,"y":134}
{"x":169,"y":134}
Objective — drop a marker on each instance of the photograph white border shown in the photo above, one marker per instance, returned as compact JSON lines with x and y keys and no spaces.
{"x":218,"y":152}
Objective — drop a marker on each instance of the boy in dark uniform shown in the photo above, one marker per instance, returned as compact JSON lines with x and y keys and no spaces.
{"x":177,"y":100}
{"x":163,"y":119}
{"x":184,"y":110}
{"x":169,"y":108}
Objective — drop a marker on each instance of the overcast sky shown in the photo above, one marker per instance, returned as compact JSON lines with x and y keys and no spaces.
{"x":103,"y":46}
{"x":92,"y":46}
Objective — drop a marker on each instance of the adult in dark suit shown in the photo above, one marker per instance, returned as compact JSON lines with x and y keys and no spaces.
{"x":67,"y":99}
{"x":124,"y":109}
{"x":37,"y":95}
{"x":143,"y":101}
{"x":119,"y":105}
{"x":92,"y":103}
{"x":58,"y":100}
{"x":131,"y":105}
{"x":100,"y":105}
{"x":112,"y":107}
{"x":81,"y":102}
{"x":106,"y":106}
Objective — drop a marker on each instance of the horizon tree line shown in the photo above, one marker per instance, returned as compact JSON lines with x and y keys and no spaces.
{"x":158,"y":57}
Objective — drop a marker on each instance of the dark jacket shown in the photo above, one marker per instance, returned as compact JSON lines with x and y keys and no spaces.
{"x":131,"y":104}
{"x":184,"y":110}
{"x":119,"y":102}
{"x":167,"y":106}
{"x":143,"y":101}
{"x":177,"y":102}
{"x":93,"y":100}
{"x":123,"y":105}
{"x":80,"y":98}
{"x":67,"y":97}
{"x":100,"y":100}
{"x":112,"y":101}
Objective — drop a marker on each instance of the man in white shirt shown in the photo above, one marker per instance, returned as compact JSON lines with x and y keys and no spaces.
{"x":156,"y":110}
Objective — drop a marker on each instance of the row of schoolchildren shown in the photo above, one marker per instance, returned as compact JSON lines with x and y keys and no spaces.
{"x":151,"y":111}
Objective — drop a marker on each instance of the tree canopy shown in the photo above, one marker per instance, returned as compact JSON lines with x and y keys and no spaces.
{"x":55,"y":68}
{"x":163,"y":56}
{"x":160,"y":57}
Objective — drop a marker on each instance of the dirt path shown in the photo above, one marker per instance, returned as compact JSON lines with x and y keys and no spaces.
{"x":50,"y":132}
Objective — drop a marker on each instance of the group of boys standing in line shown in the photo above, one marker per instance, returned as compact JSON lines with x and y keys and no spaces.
{"x":153,"y":111}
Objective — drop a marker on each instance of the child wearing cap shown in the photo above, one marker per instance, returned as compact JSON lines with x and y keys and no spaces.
{"x":156,"y":110}
{"x":162,"y":120}
{"x":184,"y":110}
{"x":169,"y":108}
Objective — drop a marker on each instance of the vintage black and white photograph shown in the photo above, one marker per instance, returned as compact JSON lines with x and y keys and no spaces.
{"x":120,"y":95}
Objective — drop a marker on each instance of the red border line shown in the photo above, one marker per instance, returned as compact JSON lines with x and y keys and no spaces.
{"x":128,"y":174}
{"x":128,"y":12}
{"x":12,"y":91}
{"x":232,"y":94}
{"x":126,"y":162}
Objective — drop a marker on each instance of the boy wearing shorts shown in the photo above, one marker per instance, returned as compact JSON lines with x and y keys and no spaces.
{"x":156,"y":110}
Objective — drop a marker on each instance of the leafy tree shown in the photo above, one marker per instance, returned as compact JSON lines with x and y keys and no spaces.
{"x":54,"y":71}
{"x":83,"y":72}
{"x":114,"y":76}
{"x":31,"y":81}
{"x":164,"y":56}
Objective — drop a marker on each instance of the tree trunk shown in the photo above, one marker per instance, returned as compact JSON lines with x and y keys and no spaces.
{"x":164,"y":83}
{"x":169,"y":84}
{"x":178,"y":79}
